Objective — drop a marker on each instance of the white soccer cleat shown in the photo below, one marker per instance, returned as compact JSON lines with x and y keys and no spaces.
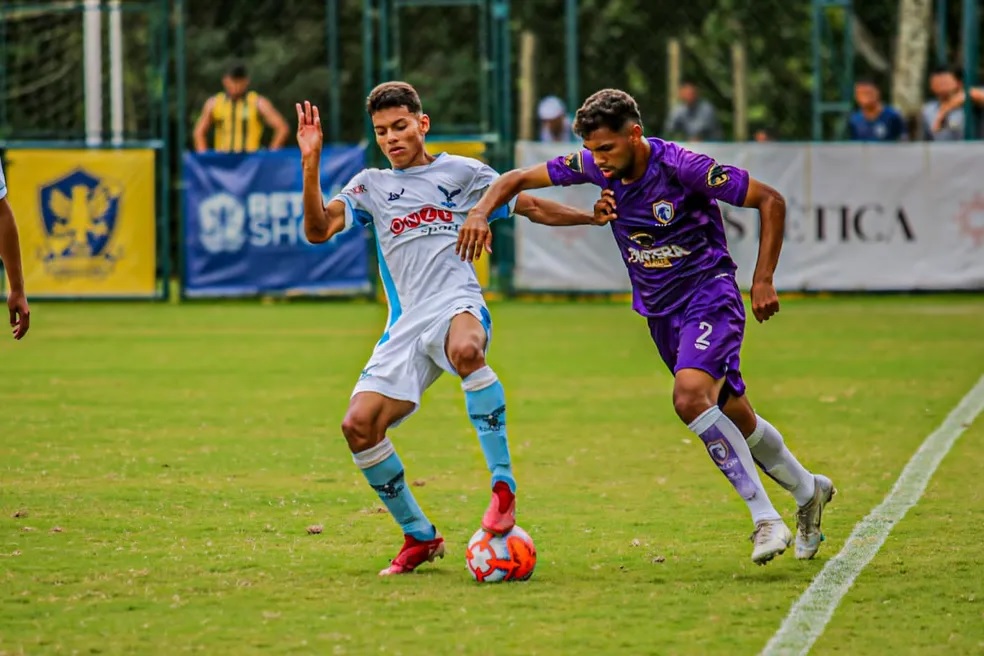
{"x":771,"y":538}
{"x":808,"y":534}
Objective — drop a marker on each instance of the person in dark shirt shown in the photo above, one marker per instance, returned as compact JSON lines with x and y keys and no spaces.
{"x":873,"y":120}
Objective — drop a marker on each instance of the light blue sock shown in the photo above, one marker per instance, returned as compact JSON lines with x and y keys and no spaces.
{"x":485,"y":401}
{"x":384,"y":471}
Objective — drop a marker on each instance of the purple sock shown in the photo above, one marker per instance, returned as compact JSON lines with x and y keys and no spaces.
{"x":727,"y":448}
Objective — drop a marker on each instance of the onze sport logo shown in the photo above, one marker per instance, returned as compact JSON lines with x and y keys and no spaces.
{"x":421,"y":217}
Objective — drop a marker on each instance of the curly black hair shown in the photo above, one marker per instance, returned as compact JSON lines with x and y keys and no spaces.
{"x":608,"y":108}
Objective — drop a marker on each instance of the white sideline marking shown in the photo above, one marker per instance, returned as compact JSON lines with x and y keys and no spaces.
{"x":809,"y":615}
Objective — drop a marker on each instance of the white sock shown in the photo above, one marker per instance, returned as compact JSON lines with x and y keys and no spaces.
{"x":727,"y":448}
{"x":770,"y":452}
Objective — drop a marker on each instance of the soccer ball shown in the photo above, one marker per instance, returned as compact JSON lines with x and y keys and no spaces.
{"x":492,"y":558}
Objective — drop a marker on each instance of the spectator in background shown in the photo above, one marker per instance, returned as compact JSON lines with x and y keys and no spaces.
{"x":555,"y":125}
{"x":943,"y":117}
{"x":873,"y":120}
{"x":763,"y":134}
{"x":955,"y":103}
{"x":238,"y":114}
{"x":693,"y":119}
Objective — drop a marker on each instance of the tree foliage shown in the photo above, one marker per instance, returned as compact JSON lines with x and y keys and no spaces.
{"x":622,"y":43}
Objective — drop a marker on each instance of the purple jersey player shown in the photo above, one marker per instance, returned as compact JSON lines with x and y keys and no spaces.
{"x":668,"y":227}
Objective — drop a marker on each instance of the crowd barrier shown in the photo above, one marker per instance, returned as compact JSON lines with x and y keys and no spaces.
{"x":860,"y":217}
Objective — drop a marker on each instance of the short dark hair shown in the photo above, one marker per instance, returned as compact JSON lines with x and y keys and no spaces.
{"x":237,"y":70}
{"x":941,"y":69}
{"x":393,"y":94}
{"x":865,"y":81}
{"x":608,"y":108}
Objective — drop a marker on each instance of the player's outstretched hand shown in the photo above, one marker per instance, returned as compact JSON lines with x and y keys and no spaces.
{"x":474,"y":236}
{"x":765,"y":301}
{"x":309,"y":136}
{"x":604,"y":208}
{"x":20,"y":314}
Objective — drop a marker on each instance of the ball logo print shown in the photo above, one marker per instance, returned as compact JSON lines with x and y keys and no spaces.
{"x":222,"y":221}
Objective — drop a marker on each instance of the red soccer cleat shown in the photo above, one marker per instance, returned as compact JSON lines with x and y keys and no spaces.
{"x":501,"y":515}
{"x":415,"y":553}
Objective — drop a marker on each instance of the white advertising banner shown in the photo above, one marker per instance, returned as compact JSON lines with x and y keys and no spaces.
{"x":858,"y":217}
{"x":571,"y":258}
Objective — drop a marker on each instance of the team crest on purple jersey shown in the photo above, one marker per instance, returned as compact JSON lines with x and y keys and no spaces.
{"x":716,"y":175}
{"x":575,"y":162}
{"x":663,"y":211}
{"x":669,"y":229}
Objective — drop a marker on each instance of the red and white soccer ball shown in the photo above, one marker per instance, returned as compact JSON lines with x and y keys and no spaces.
{"x":492,"y":558}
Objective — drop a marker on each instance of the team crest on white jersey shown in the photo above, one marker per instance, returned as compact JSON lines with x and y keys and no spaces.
{"x":449,"y":197}
{"x":415,"y":215}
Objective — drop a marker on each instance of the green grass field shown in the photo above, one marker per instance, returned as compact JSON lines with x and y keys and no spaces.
{"x":166,"y":461}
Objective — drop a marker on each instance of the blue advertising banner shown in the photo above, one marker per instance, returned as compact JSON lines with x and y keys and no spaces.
{"x":244,"y":226}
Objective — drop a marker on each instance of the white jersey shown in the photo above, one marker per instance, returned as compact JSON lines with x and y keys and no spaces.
{"x":3,"y":184}
{"x":416,"y":214}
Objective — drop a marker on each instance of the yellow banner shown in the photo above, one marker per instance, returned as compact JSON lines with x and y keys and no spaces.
{"x":86,"y":220}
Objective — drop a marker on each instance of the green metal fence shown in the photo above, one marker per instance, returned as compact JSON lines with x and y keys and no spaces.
{"x":90,"y":74}
{"x":794,"y":74}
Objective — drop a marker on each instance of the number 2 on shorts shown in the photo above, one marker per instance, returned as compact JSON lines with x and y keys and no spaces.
{"x":701,"y":343}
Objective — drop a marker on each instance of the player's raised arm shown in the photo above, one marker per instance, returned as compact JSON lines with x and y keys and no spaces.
{"x":772,"y":215}
{"x":321,"y":222}
{"x":475,"y":233}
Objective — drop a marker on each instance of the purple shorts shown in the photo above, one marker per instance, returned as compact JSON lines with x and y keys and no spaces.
{"x":706,"y":333}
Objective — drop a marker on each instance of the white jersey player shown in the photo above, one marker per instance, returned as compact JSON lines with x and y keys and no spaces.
{"x":415,"y":215}
{"x":438,"y":319}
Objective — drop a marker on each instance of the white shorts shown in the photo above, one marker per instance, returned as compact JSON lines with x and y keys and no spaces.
{"x":411,"y":354}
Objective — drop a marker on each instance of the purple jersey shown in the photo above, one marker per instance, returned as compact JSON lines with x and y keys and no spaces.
{"x":669,"y":228}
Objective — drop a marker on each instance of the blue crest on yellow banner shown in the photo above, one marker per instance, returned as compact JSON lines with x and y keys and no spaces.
{"x":79,"y":212}
{"x":87,"y":221}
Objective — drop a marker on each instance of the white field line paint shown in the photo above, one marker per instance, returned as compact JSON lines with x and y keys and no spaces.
{"x":812,"y":611}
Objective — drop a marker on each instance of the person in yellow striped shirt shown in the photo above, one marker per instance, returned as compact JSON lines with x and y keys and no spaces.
{"x":238,"y":115}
